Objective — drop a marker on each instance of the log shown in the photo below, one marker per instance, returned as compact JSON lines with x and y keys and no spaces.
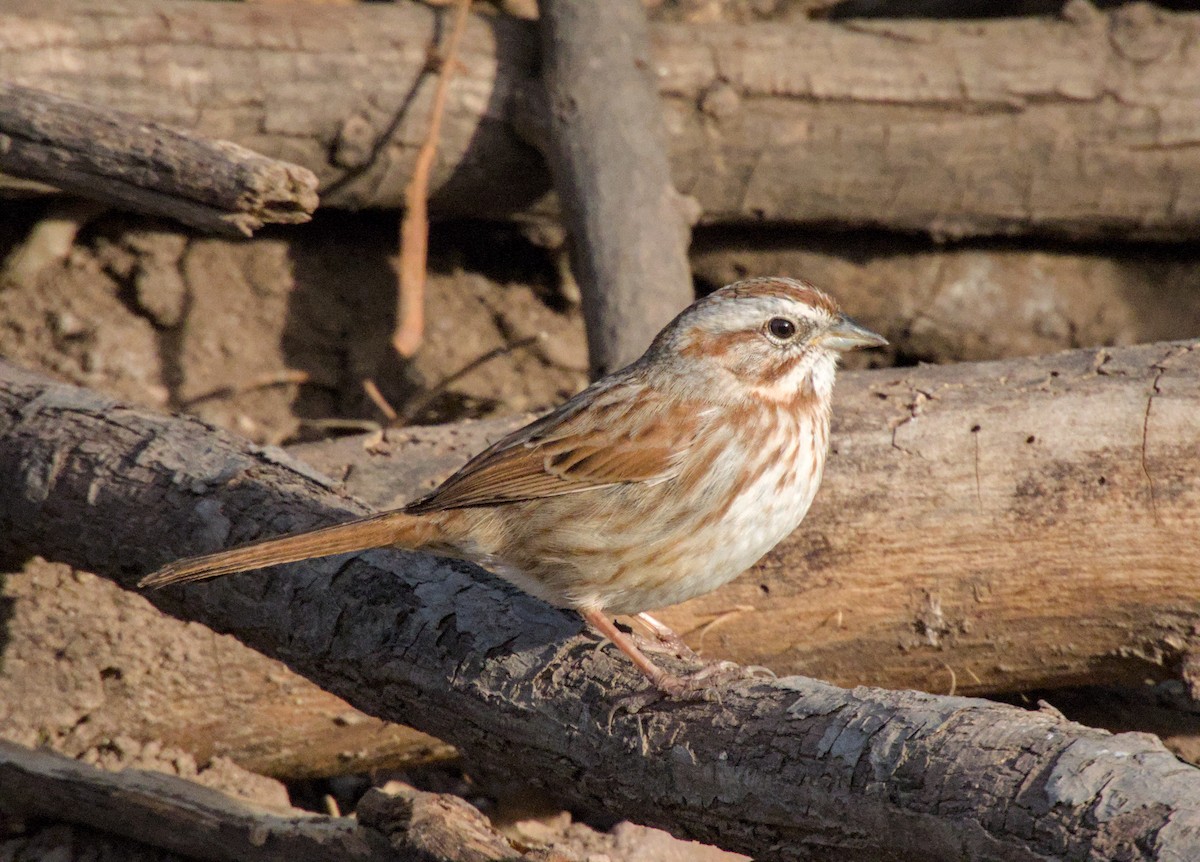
{"x":116,"y":158}
{"x":625,"y":225}
{"x":201,"y":823}
{"x":783,"y":769}
{"x":949,"y":128}
{"x":173,"y":813}
{"x":118,"y":667}
{"x":981,"y":528}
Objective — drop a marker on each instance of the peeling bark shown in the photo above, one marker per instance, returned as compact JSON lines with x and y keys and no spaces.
{"x":788,"y":769}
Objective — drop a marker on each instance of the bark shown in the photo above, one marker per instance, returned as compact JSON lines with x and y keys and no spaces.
{"x":624,"y":220}
{"x":202,"y":823}
{"x":788,"y":769}
{"x":85,"y":662}
{"x":119,"y":159}
{"x":981,"y":527}
{"x":954,"y":128}
{"x":1171,"y":716}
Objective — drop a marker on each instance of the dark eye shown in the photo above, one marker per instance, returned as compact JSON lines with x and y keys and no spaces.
{"x":781,"y":328}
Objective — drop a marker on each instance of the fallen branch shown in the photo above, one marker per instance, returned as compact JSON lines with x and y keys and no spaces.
{"x":202,"y":823}
{"x":119,"y":159}
{"x":954,"y":128}
{"x":786,"y":769}
{"x":625,"y":223}
{"x":173,"y":813}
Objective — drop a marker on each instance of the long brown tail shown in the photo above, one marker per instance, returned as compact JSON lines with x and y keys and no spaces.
{"x":374,"y":531}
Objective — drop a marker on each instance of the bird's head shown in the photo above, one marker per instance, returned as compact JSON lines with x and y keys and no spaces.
{"x":778,"y":337}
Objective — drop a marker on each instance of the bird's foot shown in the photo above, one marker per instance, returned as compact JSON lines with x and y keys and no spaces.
{"x":703,"y":684}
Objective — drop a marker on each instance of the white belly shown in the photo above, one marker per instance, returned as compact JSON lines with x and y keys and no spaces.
{"x":758,"y":519}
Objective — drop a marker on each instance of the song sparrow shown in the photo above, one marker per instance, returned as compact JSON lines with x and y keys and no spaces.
{"x":658,"y":483}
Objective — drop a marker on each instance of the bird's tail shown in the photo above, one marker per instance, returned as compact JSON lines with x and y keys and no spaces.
{"x":387,"y":529}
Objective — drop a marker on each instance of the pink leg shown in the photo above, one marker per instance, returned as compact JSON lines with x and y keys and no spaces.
{"x":658,"y":677}
{"x":699,"y":684}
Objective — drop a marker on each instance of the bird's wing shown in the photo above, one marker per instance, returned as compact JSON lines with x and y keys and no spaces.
{"x":605,"y":436}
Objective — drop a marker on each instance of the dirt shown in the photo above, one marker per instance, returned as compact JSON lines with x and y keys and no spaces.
{"x":226,"y":329}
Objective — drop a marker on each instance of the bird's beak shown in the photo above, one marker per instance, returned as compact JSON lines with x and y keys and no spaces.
{"x":848,"y":335}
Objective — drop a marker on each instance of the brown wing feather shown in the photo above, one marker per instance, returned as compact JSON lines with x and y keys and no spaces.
{"x":593,"y":441}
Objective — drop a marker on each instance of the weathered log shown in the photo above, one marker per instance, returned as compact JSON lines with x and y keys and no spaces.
{"x":954,"y":128}
{"x":202,"y":823}
{"x":625,"y":223}
{"x":784,"y":769}
{"x":342,"y":93}
{"x":173,"y":813}
{"x":85,"y":662}
{"x":989,"y":527}
{"x":116,"y":158}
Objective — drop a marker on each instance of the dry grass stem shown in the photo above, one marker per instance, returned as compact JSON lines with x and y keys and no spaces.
{"x":414,"y":227}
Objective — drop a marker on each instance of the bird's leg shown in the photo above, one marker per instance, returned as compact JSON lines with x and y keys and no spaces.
{"x":699,"y":685}
{"x":666,"y":639}
{"x":659,"y":678}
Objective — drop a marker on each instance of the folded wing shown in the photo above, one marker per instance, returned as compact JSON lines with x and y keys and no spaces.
{"x":600,"y":438}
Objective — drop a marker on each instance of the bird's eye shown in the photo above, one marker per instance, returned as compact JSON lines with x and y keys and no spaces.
{"x":781,"y":328}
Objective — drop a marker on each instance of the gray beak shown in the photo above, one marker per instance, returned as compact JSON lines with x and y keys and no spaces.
{"x":848,"y":335}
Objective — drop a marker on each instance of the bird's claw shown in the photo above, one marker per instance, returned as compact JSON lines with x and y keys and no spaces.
{"x":702,"y":685}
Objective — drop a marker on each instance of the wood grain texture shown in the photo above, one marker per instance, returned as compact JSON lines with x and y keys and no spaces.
{"x":786,"y":769}
{"x":120,"y":159}
{"x":1051,"y":546}
{"x":1083,"y":126}
{"x":344,"y":94}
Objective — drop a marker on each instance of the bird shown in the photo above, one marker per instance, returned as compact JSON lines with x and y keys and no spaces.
{"x":657,"y":483}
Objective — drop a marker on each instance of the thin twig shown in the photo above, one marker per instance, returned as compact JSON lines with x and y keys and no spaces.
{"x":417,"y":406}
{"x":361,"y":425}
{"x":263,"y":381}
{"x":379,"y":401}
{"x":414,"y":227}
